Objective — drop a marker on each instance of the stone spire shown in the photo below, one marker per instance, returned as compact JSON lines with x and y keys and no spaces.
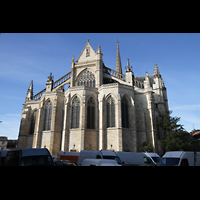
{"x":156,"y":71}
{"x":118,"y":60}
{"x":29,"y":95}
{"x":128,"y":69}
{"x":99,"y":50}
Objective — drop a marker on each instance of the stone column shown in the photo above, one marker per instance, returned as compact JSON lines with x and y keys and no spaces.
{"x":82,"y":120}
{"x":23,"y":128}
{"x":65,"y":129}
{"x":118,"y":117}
{"x":38,"y":129}
{"x":101,"y":125}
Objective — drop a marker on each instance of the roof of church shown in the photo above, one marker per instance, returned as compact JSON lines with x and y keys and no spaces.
{"x":142,"y":79}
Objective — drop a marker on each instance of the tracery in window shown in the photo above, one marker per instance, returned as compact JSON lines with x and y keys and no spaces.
{"x":33,"y":118}
{"x":110,"y":112}
{"x":91,"y":114}
{"x":48,"y":112}
{"x":87,"y":78}
{"x":125,"y":118}
{"x":75,"y":112}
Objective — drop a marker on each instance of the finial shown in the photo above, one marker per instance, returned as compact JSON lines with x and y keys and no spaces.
{"x":87,"y":40}
{"x":156,"y":71}
{"x":99,"y":49}
{"x":50,"y":78}
{"x":128,"y":65}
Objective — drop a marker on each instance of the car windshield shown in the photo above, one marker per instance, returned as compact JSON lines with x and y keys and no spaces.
{"x":156,"y":159}
{"x":37,"y":161}
{"x":169,"y":162}
{"x":113,"y":158}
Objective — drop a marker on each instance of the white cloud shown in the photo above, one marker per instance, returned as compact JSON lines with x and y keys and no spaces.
{"x":10,"y":125}
{"x":187,"y":107}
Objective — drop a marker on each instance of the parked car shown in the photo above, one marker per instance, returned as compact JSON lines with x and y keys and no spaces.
{"x":136,"y":158}
{"x":99,"y":162}
{"x":29,"y":157}
{"x":2,"y":157}
{"x":154,"y":157}
{"x":66,"y":155}
{"x":180,"y":158}
{"x":96,"y":154}
{"x":65,"y":163}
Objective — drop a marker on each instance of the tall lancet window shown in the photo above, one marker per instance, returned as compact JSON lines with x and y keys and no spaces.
{"x":125,"y":119}
{"x":75,"y":112}
{"x":91,"y":114}
{"x":48,"y":113}
{"x":33,"y":118}
{"x":110,"y":112}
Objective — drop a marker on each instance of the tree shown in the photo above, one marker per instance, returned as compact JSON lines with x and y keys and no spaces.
{"x":146,"y":147}
{"x":175,"y":137}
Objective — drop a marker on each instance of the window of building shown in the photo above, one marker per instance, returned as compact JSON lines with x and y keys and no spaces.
{"x":33,"y":118}
{"x":75,"y":112}
{"x":48,"y":113}
{"x":125,"y":118}
{"x":91,"y":114}
{"x":87,"y":78}
{"x":110,"y":112}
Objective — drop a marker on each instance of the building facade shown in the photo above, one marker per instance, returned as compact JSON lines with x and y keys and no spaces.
{"x":101,"y":109}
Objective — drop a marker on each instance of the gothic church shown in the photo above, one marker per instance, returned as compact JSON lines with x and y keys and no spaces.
{"x":101,"y":109}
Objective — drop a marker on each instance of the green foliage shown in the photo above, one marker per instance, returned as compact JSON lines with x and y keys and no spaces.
{"x":146,"y":147}
{"x":175,"y":137}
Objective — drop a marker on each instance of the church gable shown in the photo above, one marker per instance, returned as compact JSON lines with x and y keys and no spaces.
{"x":88,"y":54}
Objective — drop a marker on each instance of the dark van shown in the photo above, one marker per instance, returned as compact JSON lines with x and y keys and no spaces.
{"x":29,"y":157}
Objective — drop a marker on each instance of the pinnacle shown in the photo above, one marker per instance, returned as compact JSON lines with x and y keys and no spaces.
{"x":118,"y":60}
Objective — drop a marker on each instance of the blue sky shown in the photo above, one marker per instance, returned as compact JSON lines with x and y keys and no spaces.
{"x":32,"y":56}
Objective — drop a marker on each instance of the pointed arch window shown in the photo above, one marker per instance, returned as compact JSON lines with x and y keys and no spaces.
{"x":75,"y":112}
{"x":33,"y":119}
{"x":125,"y":116}
{"x":110,"y":112}
{"x":91,"y":114}
{"x":87,"y":78}
{"x":48,"y":113}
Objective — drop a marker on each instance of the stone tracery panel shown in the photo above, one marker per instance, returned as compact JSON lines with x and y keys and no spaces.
{"x":86,"y":78}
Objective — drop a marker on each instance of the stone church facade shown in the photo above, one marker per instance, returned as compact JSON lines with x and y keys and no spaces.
{"x":101,"y":109}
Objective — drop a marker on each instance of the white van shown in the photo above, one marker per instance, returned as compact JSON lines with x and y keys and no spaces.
{"x":180,"y":158}
{"x":137,"y":158}
{"x":96,"y":154}
{"x":99,"y":162}
{"x":154,"y":157}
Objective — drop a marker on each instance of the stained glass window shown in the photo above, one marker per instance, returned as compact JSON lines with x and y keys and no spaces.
{"x":48,"y":113}
{"x":91,"y":114}
{"x":33,"y":118}
{"x":125,"y":118}
{"x":75,"y":112}
{"x":87,"y":78}
{"x":110,"y":112}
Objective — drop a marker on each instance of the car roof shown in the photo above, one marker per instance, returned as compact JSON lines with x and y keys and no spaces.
{"x":152,"y":154}
{"x":34,"y":152}
{"x":173,"y":154}
{"x":108,"y":153}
